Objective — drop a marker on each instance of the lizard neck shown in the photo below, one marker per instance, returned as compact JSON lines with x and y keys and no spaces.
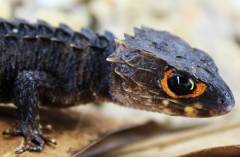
{"x":95,"y":76}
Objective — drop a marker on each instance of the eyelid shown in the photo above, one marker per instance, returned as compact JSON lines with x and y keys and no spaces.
{"x":199,"y":90}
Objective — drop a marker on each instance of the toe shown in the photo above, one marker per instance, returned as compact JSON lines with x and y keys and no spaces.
{"x":20,"y":150}
{"x":49,"y":140}
{"x":35,"y":148}
{"x":12,"y":132}
{"x":34,"y":140}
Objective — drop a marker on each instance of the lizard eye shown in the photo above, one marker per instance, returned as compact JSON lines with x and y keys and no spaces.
{"x":178,"y":85}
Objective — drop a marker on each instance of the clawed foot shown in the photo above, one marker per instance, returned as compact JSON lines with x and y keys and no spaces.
{"x":33,"y":141}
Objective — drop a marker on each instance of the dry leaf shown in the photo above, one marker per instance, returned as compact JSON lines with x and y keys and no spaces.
{"x":176,"y":143}
{"x":126,"y":136}
{"x":226,"y":151}
{"x":121,"y":138}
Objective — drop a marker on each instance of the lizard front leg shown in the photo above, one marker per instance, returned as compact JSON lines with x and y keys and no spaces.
{"x":26,"y":101}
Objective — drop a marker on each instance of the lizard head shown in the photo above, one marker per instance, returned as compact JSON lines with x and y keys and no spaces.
{"x":157,"y":71}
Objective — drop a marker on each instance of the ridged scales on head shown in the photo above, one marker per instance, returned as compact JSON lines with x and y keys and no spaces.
{"x":174,"y":51}
{"x":140,"y":63}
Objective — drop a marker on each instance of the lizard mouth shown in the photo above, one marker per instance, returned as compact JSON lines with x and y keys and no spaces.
{"x":176,"y":108}
{"x":205,"y":106}
{"x":198,"y":110}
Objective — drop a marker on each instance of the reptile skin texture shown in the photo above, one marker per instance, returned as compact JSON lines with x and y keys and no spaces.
{"x":57,"y":67}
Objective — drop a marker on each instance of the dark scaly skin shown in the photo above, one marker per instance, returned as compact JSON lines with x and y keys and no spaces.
{"x":55,"y":66}
{"x":59,"y":67}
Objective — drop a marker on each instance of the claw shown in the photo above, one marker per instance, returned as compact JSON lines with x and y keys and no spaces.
{"x":35,"y":149}
{"x":29,"y":147}
{"x":49,"y":140}
{"x":34,"y":142}
{"x":20,"y":150}
{"x":12,"y":132}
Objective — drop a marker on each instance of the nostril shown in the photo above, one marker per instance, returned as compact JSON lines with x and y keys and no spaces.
{"x":221,"y":101}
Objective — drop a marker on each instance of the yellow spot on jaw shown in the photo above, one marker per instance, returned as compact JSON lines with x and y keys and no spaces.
{"x":198,"y":106}
{"x":167,"y":111}
{"x":212,"y":113}
{"x":190,"y":111}
{"x":165,"y":102}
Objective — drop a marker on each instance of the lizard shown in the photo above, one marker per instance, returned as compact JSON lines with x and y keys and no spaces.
{"x":58,"y":67}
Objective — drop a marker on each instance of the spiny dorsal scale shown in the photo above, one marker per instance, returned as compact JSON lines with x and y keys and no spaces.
{"x":44,"y":28}
{"x":80,"y":40}
{"x":90,"y":35}
{"x":7,"y":27}
{"x":79,"y":51}
{"x":2,"y":28}
{"x":26,"y":29}
{"x":66,"y":28}
{"x":128,"y":37}
{"x":62,"y":34}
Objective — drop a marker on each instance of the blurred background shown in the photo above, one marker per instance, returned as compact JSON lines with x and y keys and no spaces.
{"x":213,"y":26}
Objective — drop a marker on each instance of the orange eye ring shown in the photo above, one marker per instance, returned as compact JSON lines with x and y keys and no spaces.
{"x":199,"y":90}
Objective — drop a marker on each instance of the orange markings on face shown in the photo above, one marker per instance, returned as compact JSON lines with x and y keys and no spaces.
{"x":199,"y":90}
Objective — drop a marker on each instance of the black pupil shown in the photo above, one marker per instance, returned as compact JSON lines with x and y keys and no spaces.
{"x":180,"y":85}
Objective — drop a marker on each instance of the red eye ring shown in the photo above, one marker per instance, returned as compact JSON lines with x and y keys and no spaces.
{"x":199,"y":90}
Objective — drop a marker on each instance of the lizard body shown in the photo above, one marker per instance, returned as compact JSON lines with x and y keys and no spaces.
{"x":58,"y":67}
